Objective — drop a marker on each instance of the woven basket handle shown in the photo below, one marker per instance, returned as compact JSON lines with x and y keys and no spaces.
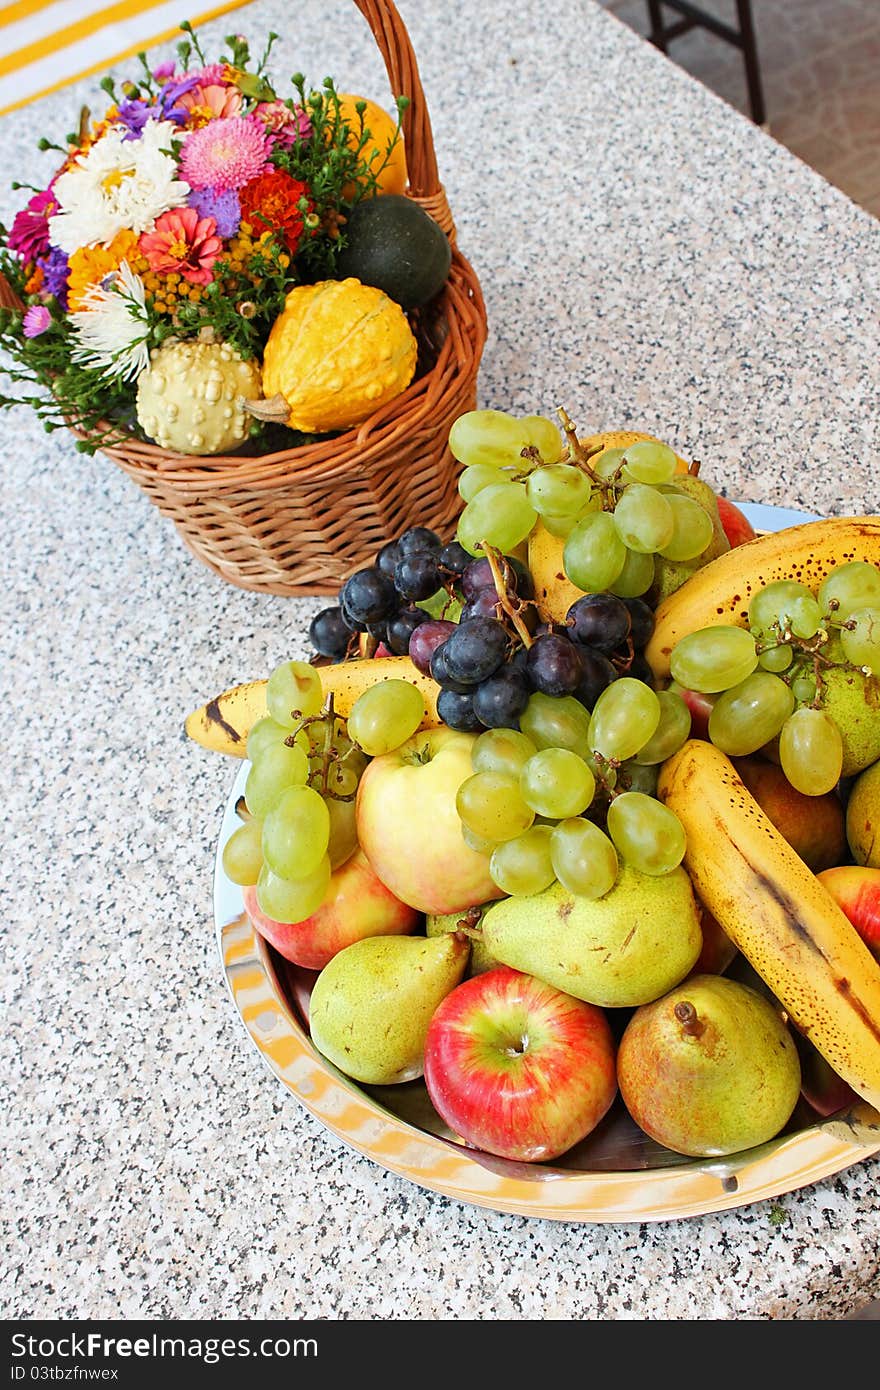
{"x":393,"y":42}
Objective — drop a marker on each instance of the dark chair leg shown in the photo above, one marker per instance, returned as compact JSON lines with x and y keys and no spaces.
{"x":655,"y":14}
{"x":750,"y":58}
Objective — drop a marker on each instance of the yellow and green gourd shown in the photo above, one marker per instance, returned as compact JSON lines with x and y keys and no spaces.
{"x":337,"y":352}
{"x":191,"y":397}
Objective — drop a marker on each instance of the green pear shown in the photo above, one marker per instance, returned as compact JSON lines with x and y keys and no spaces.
{"x":669,"y":575}
{"x":863,"y":817}
{"x":618,"y":951}
{"x":436,"y":924}
{"x":853,"y":702}
{"x":709,"y":1069}
{"x":372,"y":1003}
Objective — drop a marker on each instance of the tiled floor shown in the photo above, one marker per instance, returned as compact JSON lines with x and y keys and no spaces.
{"x":820,"y":67}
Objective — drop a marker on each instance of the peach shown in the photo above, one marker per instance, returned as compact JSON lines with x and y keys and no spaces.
{"x":856,"y":890}
{"x":814,"y":826}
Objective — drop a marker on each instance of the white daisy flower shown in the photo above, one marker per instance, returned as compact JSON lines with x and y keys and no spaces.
{"x":117,"y":183}
{"x":113,"y":330}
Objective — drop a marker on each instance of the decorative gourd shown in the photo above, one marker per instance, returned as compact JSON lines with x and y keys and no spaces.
{"x":336,"y":352}
{"x":386,"y":160}
{"x":395,"y":245}
{"x":191,"y":397}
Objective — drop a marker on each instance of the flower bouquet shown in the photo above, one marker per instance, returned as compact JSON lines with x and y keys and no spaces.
{"x":193,"y":237}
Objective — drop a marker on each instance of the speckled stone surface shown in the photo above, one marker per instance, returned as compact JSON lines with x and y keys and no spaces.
{"x":650,"y":259}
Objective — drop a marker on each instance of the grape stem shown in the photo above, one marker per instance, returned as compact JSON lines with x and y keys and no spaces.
{"x":579,"y":455}
{"x":503,"y":579}
{"x":329,"y":755}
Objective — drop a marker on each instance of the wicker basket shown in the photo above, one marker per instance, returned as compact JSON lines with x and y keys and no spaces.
{"x":300,"y":521}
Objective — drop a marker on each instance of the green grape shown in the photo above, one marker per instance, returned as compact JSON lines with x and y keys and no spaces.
{"x":561,"y":526}
{"x":265,"y":734}
{"x":772,"y":604}
{"x":501,"y":750}
{"x":544,"y":436}
{"x":636,"y":577}
{"x":639,"y":777}
{"x":811,"y":751}
{"x":650,"y":462}
{"x":557,"y":783}
{"x":777,"y":658}
{"x":644,"y":519}
{"x":293,"y":900}
{"x":296,"y":833}
{"x":803,"y":687}
{"x":500,"y":514}
{"x":558,"y":489}
{"x":556,"y":721}
{"x":478,"y":476}
{"x":624,"y":718}
{"x":278,"y":768}
{"x":804,"y":616}
{"x":523,"y":866}
{"x":713,"y":658}
{"x":671,"y":732}
{"x":646,"y":834}
{"x":850,"y":587}
{"x":294,"y":692}
{"x":476,"y":842}
{"x":584,"y":859}
{"x":491,"y":805}
{"x":343,"y":839}
{"x":601,"y":770}
{"x":860,"y":639}
{"x":342,"y":778}
{"x":608,"y":462}
{"x":487,"y":436}
{"x":692,"y":529}
{"x":750,"y":714}
{"x":243,"y":854}
{"x":385,"y":715}
{"x":594,"y":554}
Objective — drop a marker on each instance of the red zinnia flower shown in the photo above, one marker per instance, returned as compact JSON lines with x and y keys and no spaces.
{"x":269,"y":203}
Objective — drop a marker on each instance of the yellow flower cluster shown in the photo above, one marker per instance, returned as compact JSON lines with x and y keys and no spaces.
{"x":238,"y":258}
{"x":164,"y":293}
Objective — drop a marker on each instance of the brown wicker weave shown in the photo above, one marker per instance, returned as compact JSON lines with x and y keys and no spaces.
{"x":298,"y":522}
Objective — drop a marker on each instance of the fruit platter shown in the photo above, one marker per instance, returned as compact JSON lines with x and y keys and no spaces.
{"x":551,"y":881}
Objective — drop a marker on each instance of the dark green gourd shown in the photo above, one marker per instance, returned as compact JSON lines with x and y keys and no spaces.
{"x":393,"y":244}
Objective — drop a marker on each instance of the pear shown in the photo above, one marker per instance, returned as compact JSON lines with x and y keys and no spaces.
{"x":852,"y":699}
{"x":618,"y":951}
{"x":863,"y":817}
{"x":372,"y":1003}
{"x":436,"y":924}
{"x":709,"y":1069}
{"x":669,"y":575}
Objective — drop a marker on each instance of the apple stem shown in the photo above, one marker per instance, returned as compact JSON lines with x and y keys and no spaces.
{"x":687,"y":1016}
{"x":694,"y":468}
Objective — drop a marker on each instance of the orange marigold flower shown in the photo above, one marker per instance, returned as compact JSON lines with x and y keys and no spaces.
{"x":269,"y":203}
{"x":185,"y":242}
{"x":90,"y":264}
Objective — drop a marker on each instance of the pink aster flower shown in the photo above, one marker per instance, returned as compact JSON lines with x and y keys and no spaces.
{"x":29,"y":234}
{"x":185,"y":242}
{"x":36,"y":320}
{"x":226,"y":153}
{"x":210,"y":102}
{"x":287,"y":125}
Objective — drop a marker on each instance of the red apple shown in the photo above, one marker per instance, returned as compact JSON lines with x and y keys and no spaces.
{"x":409,"y":829}
{"x":700,"y":707}
{"x":357,"y":905}
{"x":517,"y":1068}
{"x":821,"y":1087}
{"x":718,"y":950}
{"x":737,"y":527}
{"x":814,"y":826}
{"x":856,"y":890}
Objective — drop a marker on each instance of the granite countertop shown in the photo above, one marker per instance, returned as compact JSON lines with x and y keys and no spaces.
{"x":649,"y":259}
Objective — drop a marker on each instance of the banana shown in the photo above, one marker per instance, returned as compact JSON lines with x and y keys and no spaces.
{"x":223,"y":724}
{"x":777,"y":913}
{"x":720,"y":592}
{"x":554,"y":593}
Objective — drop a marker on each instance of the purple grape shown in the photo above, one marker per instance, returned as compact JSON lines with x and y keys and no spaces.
{"x":419,"y":540}
{"x":524,"y":585}
{"x":454,"y":559}
{"x":369,"y":596}
{"x":500,"y":700}
{"x":329,"y":633}
{"x":476,"y":649}
{"x":601,"y":621}
{"x":350,"y":622}
{"x":476,"y":576}
{"x":553,"y":665}
{"x":388,"y":557}
{"x":642,"y":619}
{"x":401,"y":627}
{"x":640,"y":670}
{"x":457,"y":711}
{"x":439,"y":672}
{"x":598,"y":672}
{"x":425,"y":639}
{"x":484,"y":604}
{"x":416,"y":577}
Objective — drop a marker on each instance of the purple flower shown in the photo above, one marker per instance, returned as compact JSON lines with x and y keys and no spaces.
{"x":223,"y":206}
{"x":36,"y":320}
{"x":164,"y":71}
{"x":55,"y":268}
{"x":29,"y":235}
{"x":134,"y":115}
{"x":170,"y":93}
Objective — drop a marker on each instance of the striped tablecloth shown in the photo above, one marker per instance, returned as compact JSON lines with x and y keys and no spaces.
{"x":45,"y":46}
